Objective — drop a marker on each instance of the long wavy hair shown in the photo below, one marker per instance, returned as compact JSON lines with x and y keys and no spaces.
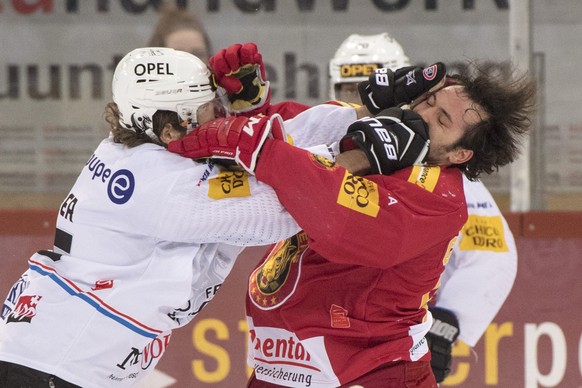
{"x":131,"y":138}
{"x":509,"y":100}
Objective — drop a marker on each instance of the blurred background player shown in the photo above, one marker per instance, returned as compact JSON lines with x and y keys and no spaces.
{"x":356,"y":58}
{"x":181,"y":30}
{"x":483,"y":266}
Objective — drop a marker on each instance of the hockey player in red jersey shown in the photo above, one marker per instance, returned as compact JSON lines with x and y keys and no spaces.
{"x":481,"y":270}
{"x":345,"y":302}
{"x":478,"y":278}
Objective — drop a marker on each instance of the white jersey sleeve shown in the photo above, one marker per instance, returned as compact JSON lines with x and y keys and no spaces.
{"x":148,"y":191}
{"x":212,"y":210}
{"x":321,"y":124}
{"x":482,"y":268}
{"x":229,"y":207}
{"x":259,"y":219}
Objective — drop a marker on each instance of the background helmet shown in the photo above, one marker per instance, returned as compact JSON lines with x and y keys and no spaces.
{"x":157,"y":78}
{"x":359,"y":55}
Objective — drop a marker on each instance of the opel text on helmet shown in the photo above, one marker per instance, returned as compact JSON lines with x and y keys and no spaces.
{"x":359,"y":55}
{"x":157,"y":78}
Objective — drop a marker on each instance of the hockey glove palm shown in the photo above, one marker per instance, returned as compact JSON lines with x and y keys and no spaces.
{"x":395,"y":139}
{"x":442,"y":335}
{"x":239,"y":69}
{"x":230,"y":139}
{"x":386,"y":88}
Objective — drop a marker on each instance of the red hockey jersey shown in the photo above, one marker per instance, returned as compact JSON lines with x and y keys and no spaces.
{"x":350,"y":292}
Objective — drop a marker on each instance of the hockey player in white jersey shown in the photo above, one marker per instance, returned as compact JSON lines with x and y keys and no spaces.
{"x":483,"y":266}
{"x":143,"y":240}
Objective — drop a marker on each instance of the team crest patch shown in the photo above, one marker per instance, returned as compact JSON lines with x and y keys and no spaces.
{"x":274,"y":281}
{"x":429,"y":73}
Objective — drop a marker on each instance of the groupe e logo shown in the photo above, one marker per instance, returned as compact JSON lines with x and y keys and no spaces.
{"x":120,"y":187}
{"x":120,"y":184}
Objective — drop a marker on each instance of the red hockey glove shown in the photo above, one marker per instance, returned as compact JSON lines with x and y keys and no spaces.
{"x":395,"y":139}
{"x":239,"y":69}
{"x":229,"y":139}
{"x":442,"y":335}
{"x":386,"y":88}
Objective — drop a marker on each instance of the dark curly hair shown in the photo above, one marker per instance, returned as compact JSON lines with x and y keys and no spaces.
{"x":509,"y":100}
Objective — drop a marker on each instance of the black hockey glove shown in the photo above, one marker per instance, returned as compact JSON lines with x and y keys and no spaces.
{"x":386,"y":88}
{"x":442,"y":335}
{"x":394,"y":139}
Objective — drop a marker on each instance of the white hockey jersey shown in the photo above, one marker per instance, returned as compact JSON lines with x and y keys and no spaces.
{"x":143,"y":241}
{"x":482,"y":268}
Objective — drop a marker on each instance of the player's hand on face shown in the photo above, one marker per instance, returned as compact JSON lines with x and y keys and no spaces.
{"x":230,"y":140}
{"x":394,"y":139}
{"x":240,"y":70}
{"x":386,"y":88}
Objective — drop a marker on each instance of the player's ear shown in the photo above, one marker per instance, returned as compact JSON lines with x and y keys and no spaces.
{"x":460,"y":156}
{"x":169,"y":133}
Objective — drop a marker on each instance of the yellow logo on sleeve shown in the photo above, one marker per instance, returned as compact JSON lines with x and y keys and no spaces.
{"x":322,"y":161}
{"x":425,"y":176}
{"x":229,"y":184}
{"x":483,"y":233}
{"x":359,"y":194}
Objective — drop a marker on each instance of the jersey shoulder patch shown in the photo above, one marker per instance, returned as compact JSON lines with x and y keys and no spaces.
{"x":229,"y":184}
{"x":483,"y":233}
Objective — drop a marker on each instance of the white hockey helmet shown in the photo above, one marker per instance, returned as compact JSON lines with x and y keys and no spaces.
{"x":359,"y":55}
{"x":157,"y":78}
